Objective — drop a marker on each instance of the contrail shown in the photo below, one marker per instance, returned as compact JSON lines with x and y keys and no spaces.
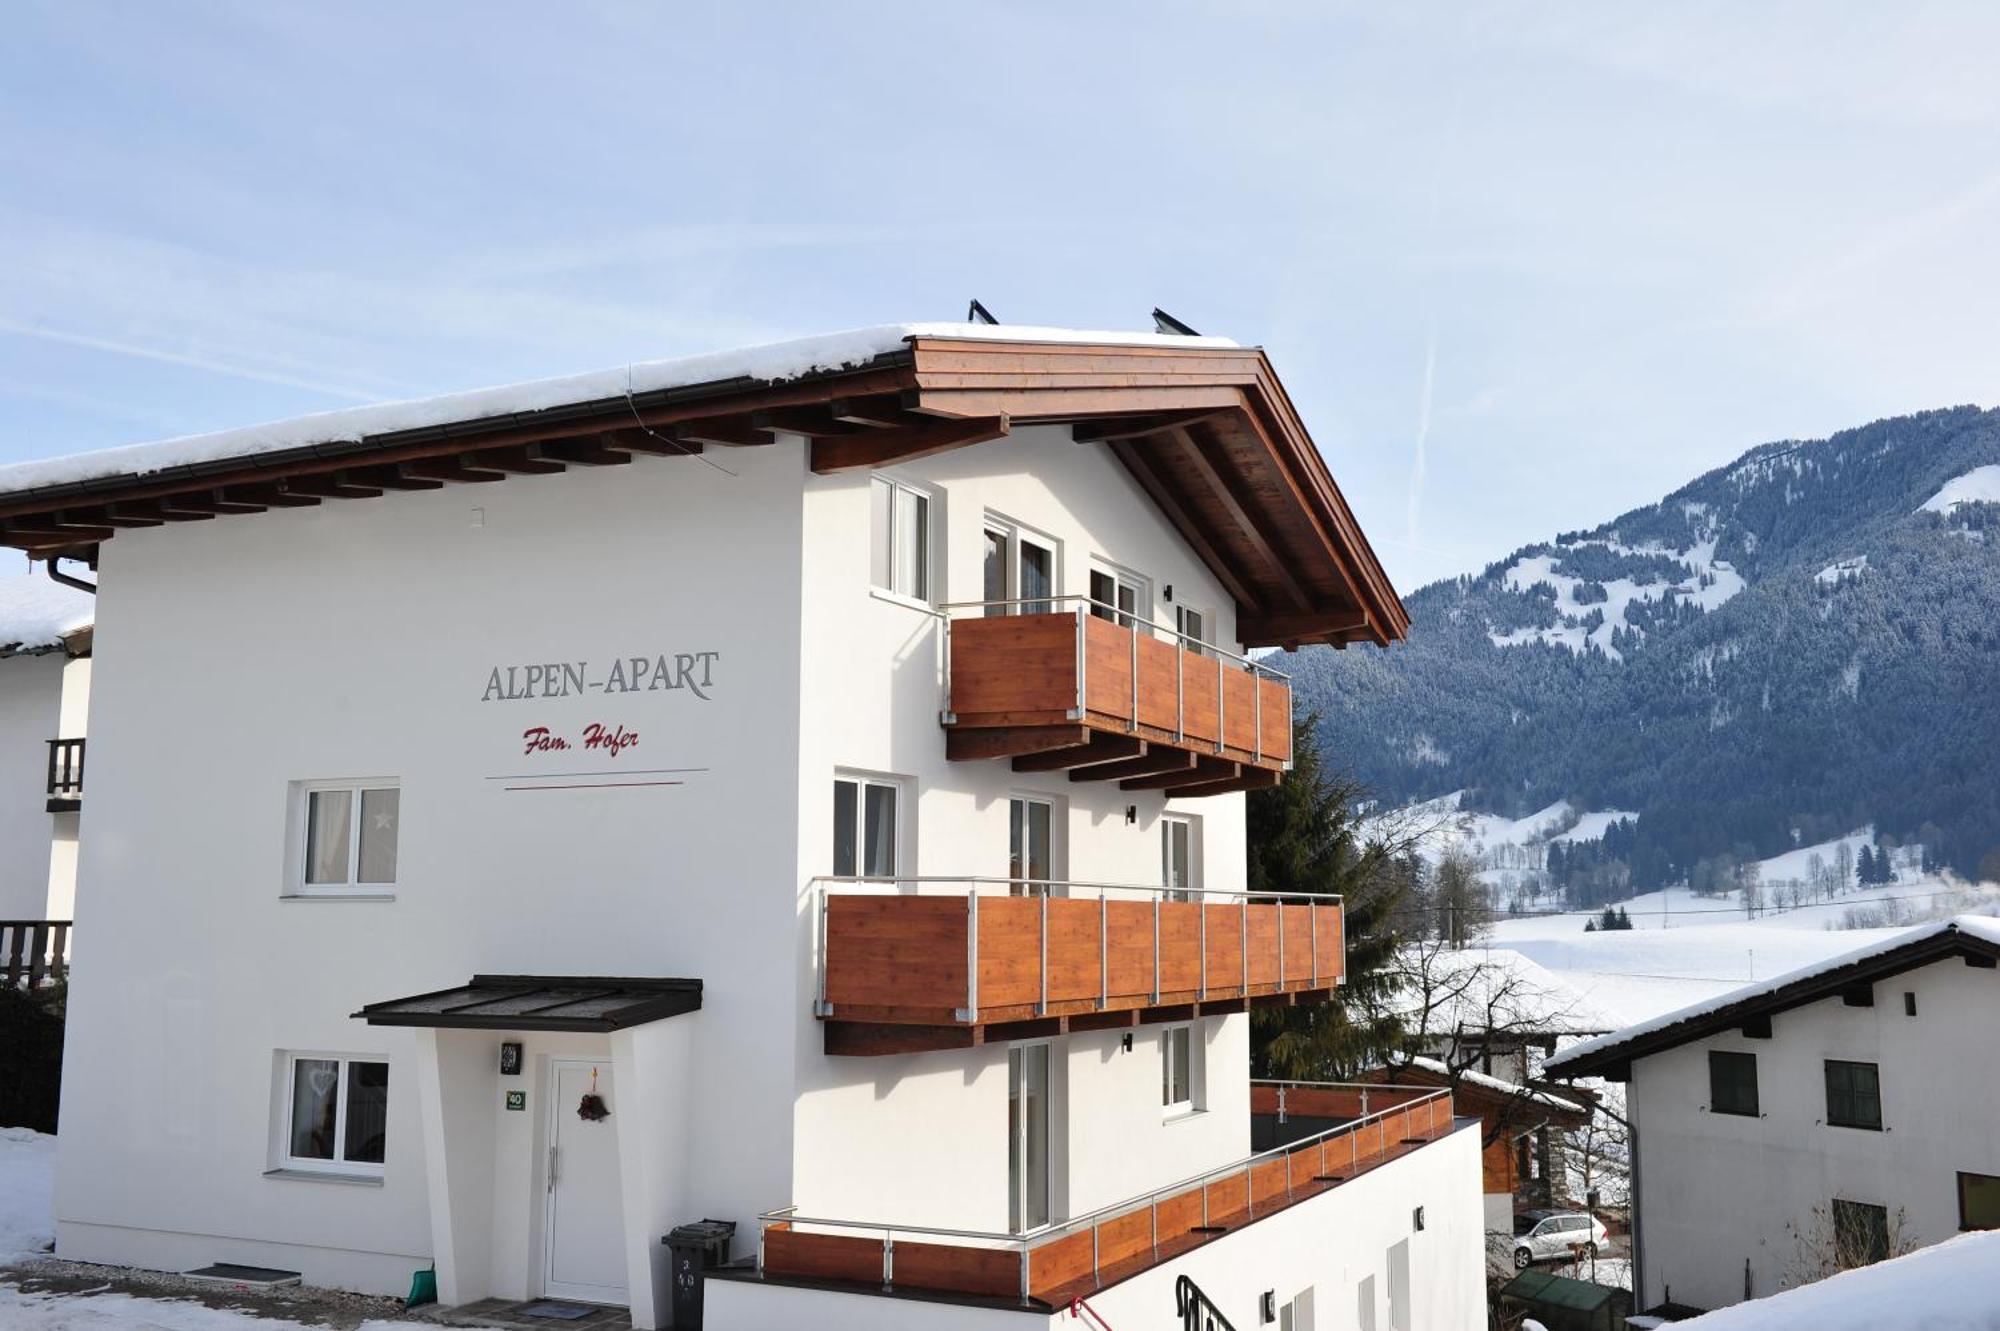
{"x":91,"y":343}
{"x":1420,"y":461}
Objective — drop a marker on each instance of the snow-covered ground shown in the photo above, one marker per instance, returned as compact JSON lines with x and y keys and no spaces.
{"x":27,"y":1229}
{"x":1981,"y":485}
{"x":1710,"y":583}
{"x":1946,"y":1287}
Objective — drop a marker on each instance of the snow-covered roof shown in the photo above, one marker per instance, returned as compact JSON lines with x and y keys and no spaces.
{"x":37,"y":613}
{"x":1693,"y":1021}
{"x":1945,"y":1287}
{"x":1500,"y":1085}
{"x":771,"y":363}
{"x":1479,"y":988}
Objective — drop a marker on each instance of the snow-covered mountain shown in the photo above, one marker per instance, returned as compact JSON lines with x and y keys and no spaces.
{"x":1801,"y":643}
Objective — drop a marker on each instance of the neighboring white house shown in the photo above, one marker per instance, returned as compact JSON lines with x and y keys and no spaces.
{"x":735,"y":745}
{"x":1820,"y":1119}
{"x":45,"y":644}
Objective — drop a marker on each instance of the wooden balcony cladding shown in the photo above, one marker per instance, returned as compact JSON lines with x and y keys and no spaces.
{"x":1050,"y":1267}
{"x":1112,"y":701}
{"x":948,"y":971}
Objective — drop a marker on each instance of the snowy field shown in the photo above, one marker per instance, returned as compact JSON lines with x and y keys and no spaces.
{"x":27,"y":1229}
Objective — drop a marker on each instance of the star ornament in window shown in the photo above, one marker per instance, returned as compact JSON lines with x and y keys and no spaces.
{"x":384,"y":822}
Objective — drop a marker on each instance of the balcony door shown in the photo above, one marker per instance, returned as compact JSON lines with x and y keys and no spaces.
{"x":1027,"y":1137}
{"x":1030,"y":845}
{"x":1177,"y":869}
{"x":1020,"y":567}
{"x":1117,"y":596}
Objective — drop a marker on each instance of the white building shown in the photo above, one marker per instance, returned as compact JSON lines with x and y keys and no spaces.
{"x":45,"y":645}
{"x":1823,"y":1118}
{"x":763,"y":749}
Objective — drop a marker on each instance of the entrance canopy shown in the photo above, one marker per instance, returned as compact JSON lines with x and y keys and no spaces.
{"x":541,"y":1003}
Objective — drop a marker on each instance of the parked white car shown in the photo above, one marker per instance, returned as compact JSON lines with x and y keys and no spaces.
{"x":1546,"y":1236}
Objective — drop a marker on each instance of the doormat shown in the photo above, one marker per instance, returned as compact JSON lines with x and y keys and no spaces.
{"x":555,"y":1311}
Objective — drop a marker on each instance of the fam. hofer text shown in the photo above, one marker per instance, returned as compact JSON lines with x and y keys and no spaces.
{"x":693,"y":671}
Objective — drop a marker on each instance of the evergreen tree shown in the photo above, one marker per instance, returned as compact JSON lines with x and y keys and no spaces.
{"x":1304,"y":838}
{"x":1864,"y":866}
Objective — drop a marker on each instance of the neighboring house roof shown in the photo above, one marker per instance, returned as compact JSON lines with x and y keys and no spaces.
{"x":1945,"y":1287}
{"x":37,"y":613}
{"x":1611,"y":1055}
{"x":1479,"y":1088}
{"x":1470,"y":991}
{"x":1202,"y":425}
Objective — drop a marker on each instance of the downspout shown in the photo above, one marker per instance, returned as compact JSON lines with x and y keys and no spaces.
{"x":66,"y":579}
{"x":1632,"y":1136}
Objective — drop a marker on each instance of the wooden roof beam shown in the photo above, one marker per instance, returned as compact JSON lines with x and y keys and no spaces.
{"x":638,"y":440}
{"x":1242,"y":509}
{"x":874,"y":448}
{"x":338,"y":485}
{"x":520,"y":460}
{"x":208,"y":501}
{"x":1203,"y":771}
{"x":812,"y":422}
{"x":586,"y":453}
{"x":884,"y":413}
{"x":1139,"y":427}
{"x":1169,"y":503}
{"x":724,"y":431}
{"x":451,"y":469}
{"x":270,"y":496}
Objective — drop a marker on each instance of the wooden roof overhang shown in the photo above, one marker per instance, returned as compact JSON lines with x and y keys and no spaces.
{"x":1752,"y":1014}
{"x":1208,"y":433}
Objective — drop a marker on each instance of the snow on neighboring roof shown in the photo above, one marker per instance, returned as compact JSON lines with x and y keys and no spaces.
{"x":1981,"y":485}
{"x":37,"y":612}
{"x":771,"y":363}
{"x":1945,"y":1287}
{"x":1479,"y":988}
{"x":1499,"y":1085}
{"x":1978,"y":926}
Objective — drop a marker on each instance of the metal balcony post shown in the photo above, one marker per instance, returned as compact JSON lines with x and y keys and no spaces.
{"x":1082,"y":664}
{"x":1282,"y":1118}
{"x":1025,"y":1292}
{"x":821,"y":1007}
{"x":888,"y":1261}
{"x":946,"y":715}
{"x":1180,"y":688}
{"x":1134,"y":723}
{"x":1313,"y":919}
{"x":971,"y":955}
{"x":1257,"y":710}
{"x":1103,"y":953}
{"x":1202,"y":906}
{"x":1156,"y":948}
{"x":1221,"y":707}
{"x":1245,"y":919}
{"x":1042,"y":1007}
{"x":1156,"y":1229}
{"x":1280,"y":908}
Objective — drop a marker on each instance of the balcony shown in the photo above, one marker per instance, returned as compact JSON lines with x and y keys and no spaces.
{"x":65,"y":775}
{"x":33,"y":952}
{"x":1073,"y":685}
{"x":947,"y":963}
{"x":1048,"y":1267}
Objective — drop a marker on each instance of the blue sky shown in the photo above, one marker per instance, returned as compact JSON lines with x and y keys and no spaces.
{"x":1522,"y":268}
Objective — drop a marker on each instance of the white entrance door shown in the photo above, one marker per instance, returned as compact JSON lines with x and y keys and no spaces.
{"x":585,"y":1225}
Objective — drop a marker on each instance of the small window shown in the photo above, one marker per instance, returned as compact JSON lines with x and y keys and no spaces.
{"x":1177,"y":864}
{"x":865,"y":823}
{"x":336,"y":1113}
{"x":1860,"y":1233}
{"x":1732,"y":1082}
{"x":1853,"y":1095}
{"x":1909,"y":1004}
{"x":1193,"y":628}
{"x":1030,"y":845}
{"x":900,"y":555}
{"x":1978,"y":1201}
{"x":347,"y":837}
{"x":1179,"y":1080}
{"x":1019,"y":570}
{"x":1117,"y":597}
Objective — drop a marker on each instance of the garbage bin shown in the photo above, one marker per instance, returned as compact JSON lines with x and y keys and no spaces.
{"x":696,"y":1249}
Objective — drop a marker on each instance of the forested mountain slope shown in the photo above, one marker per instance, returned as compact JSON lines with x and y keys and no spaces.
{"x":1798,"y":644}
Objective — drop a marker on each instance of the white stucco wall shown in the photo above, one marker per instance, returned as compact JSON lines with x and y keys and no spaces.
{"x":1716,"y":1190}
{"x":30,"y":712}
{"x":875,"y":1135}
{"x":376,"y":624}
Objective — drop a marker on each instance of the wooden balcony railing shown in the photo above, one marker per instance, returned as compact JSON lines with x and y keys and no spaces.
{"x":928,"y":963}
{"x":1111,"y":698}
{"x":65,"y":774}
{"x":1074,"y":1258}
{"x":33,"y":952}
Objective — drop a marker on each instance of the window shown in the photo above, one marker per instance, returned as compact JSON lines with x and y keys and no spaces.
{"x":336,"y":1113}
{"x":1117,"y":597}
{"x":1732,"y":1083}
{"x":1177,"y":866}
{"x":1030,"y":844}
{"x":1193,"y":627}
{"x":1028,"y":1137}
{"x":347,"y":837}
{"x":864,"y":827}
{"x":1860,"y":1232}
{"x":1179,"y":1076}
{"x":1296,"y":1314}
{"x":900,"y":555}
{"x":1853,"y":1095}
{"x":1978,"y":1201}
{"x":1019,"y":569}
{"x":1909,"y":1004}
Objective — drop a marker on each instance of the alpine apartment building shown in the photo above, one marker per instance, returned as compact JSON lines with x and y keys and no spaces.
{"x":1827,"y":1118}
{"x":801,"y":787}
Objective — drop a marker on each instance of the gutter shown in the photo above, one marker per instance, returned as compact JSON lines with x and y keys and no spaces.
{"x":67,"y":580}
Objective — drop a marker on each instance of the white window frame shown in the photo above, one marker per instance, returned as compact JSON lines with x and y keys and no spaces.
{"x":1203,"y":643}
{"x":299,"y":835}
{"x":1013,"y":533}
{"x":1172,"y":1109}
{"x":1191,"y":889}
{"x":1017,"y":802}
{"x":927,"y":561}
{"x":287,"y":1085}
{"x":1123,"y":579}
{"x":899,"y":836}
{"x":1018,"y":1184}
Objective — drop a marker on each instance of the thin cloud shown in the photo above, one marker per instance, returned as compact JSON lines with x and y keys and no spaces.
{"x":189,"y":359}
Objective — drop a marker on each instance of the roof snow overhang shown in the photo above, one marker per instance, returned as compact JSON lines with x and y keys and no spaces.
{"x":1612,"y":1056}
{"x":541,"y":1003}
{"x":1203,"y":426}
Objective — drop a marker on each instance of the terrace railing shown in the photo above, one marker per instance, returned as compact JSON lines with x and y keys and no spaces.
{"x":1077,"y":1255}
{"x":33,"y":952}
